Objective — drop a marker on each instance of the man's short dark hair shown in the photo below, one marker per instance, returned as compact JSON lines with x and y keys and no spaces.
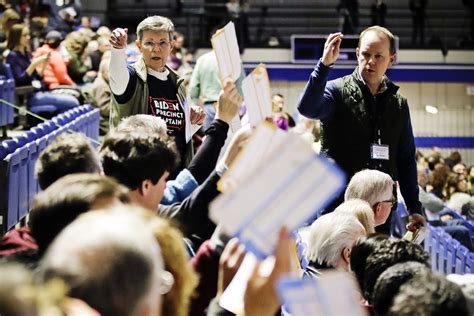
{"x":132,"y":158}
{"x":362,"y":248}
{"x":429,"y":295}
{"x":68,"y":153}
{"x":387,"y":254}
{"x":389,"y":283}
{"x":65,"y":200}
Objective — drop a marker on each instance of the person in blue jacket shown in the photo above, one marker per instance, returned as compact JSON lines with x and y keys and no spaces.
{"x":365,"y":120}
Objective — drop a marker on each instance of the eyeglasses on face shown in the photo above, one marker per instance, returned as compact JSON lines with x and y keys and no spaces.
{"x":392,"y":201}
{"x":152,"y":45}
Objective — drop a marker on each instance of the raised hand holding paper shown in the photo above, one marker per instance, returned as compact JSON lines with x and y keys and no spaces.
{"x":264,"y":140}
{"x":284,"y":190}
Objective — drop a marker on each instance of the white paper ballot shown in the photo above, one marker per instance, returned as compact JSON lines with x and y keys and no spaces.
{"x":226,"y":48}
{"x":190,"y":129}
{"x":333,"y":294}
{"x":257,"y":95}
{"x":285,"y":190}
{"x":265,"y":139}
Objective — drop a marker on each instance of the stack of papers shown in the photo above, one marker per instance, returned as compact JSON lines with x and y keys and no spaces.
{"x":287,"y":183}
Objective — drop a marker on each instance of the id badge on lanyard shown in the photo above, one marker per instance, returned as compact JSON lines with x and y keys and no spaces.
{"x":379,"y":151}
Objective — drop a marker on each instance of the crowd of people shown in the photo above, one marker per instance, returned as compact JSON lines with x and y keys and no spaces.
{"x":124,"y":229}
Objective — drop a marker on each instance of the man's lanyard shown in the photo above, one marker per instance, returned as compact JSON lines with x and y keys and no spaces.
{"x":378,"y":151}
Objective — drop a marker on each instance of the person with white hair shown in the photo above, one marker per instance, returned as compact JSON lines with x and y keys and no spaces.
{"x":360,"y":209}
{"x":376,"y":188}
{"x":330,"y":242}
{"x":111,"y":260}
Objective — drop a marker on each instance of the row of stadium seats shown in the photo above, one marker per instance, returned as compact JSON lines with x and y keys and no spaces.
{"x":447,"y":254}
{"x":18,"y":156}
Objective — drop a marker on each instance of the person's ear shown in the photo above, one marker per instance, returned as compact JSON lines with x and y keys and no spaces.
{"x":377,"y":210}
{"x":138,"y":43}
{"x":393,"y":57}
{"x":145,"y":187}
{"x":357,"y":52}
{"x":346,"y":255}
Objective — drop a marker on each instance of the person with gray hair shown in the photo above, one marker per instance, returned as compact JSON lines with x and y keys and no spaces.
{"x":111,"y":260}
{"x":330,"y":242}
{"x":376,"y":188}
{"x":149,"y":86}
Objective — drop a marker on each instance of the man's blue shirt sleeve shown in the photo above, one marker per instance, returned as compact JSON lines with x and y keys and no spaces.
{"x":319,"y":97}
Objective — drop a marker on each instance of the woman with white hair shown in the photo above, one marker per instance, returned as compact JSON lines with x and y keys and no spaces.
{"x":362,"y":211}
{"x":330,"y":242}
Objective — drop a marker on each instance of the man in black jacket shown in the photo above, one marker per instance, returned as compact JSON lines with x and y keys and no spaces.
{"x":366,"y":122}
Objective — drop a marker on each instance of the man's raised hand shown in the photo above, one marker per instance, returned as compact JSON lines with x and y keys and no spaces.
{"x":331,"y":48}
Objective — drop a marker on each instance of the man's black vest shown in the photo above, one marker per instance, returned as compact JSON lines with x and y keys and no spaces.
{"x":349,"y":134}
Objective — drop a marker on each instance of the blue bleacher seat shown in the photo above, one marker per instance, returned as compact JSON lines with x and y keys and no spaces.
{"x":450,"y":263}
{"x":10,"y":144}
{"x":32,"y":185}
{"x":7,"y":93}
{"x":470,"y":263}
{"x":435,"y":247}
{"x":40,"y":130}
{"x":19,"y":155}
{"x":22,"y":140}
{"x":3,"y":152}
{"x":42,"y":143}
{"x":32,"y":135}
{"x":5,"y":117}
{"x":13,"y":183}
{"x":47,"y":126}
{"x":442,"y":253}
{"x":461,"y":260}
{"x":23,"y":183}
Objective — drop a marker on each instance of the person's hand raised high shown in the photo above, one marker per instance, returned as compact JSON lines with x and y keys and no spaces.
{"x":229,"y":103}
{"x":331,"y":48}
{"x":118,"y":39}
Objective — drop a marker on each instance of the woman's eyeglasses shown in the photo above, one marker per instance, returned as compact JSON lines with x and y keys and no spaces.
{"x":153,"y":45}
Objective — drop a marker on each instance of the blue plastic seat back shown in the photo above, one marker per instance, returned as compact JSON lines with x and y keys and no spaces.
{"x":10,"y":144}
{"x":461,"y":259}
{"x":470,"y":263}
{"x":450,"y":263}
{"x":42,"y":143}
{"x":443,"y":251}
{"x":23,"y":195}
{"x":13,"y":185}
{"x":3,"y":106}
{"x":32,"y":183}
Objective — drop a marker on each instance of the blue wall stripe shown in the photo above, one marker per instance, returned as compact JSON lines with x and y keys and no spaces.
{"x":445,"y":142}
{"x":400,"y":73}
